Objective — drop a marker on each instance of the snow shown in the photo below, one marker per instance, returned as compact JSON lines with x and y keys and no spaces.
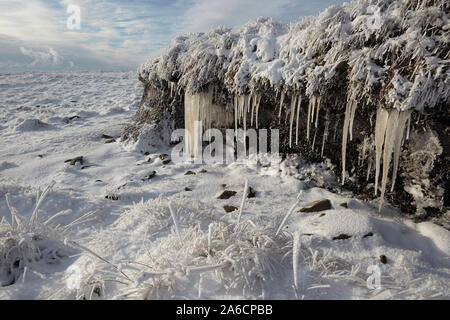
{"x":160,"y":241}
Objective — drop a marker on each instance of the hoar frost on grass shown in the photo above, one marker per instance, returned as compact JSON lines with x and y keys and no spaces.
{"x":25,"y":246}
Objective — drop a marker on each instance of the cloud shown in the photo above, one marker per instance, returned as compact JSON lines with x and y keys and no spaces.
{"x":119,"y":35}
{"x":51,"y":57}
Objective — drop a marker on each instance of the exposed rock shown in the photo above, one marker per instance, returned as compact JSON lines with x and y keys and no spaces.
{"x":342,"y":236}
{"x":383,"y":259}
{"x":75,"y":160}
{"x":112,"y":197}
{"x":105,"y":136}
{"x":344,"y":204}
{"x":166,"y":161}
{"x":150,"y":176}
{"x":163,"y":156}
{"x":370,"y":234}
{"x":187,"y":189}
{"x":251,"y":193}
{"x":202,"y":171}
{"x":226,"y":194}
{"x":316,"y":206}
{"x":230,"y":208}
{"x":322,"y":214}
{"x":110,"y":141}
{"x":189,"y":173}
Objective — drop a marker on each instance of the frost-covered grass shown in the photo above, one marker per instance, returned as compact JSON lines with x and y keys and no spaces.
{"x":129,"y":248}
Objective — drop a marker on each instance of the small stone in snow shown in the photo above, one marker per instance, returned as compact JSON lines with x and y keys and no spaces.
{"x":251,"y":193}
{"x":166,"y":161}
{"x":202,"y":171}
{"x":316,"y":206}
{"x":342,"y":236}
{"x":105,"y":136}
{"x":162,"y":156}
{"x":344,"y":204}
{"x":150,"y":176}
{"x":189,"y":173}
{"x":226,"y":194}
{"x":370,"y":234}
{"x":230,"y":208}
{"x":383,"y":259}
{"x":75,"y":160}
{"x":110,"y":141}
{"x":187,"y":189}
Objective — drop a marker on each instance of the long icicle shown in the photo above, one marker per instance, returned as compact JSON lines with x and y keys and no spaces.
{"x":398,"y":142}
{"x":293,"y":104}
{"x":281,"y":106}
{"x":299,"y":103}
{"x":387,"y":152}
{"x":344,"y":138}
{"x":380,"y":131}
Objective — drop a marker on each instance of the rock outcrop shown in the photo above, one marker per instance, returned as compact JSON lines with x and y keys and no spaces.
{"x":365,"y":84}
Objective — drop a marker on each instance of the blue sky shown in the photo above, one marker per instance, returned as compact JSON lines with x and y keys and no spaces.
{"x":119,"y":35}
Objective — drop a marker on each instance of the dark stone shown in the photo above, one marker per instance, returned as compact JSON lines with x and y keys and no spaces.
{"x":75,"y":160}
{"x":251,"y":193}
{"x":40,"y":155}
{"x":316,"y":206}
{"x":187,"y":189}
{"x":226,"y":194}
{"x":150,"y":176}
{"x":110,"y":141}
{"x":230,"y":208}
{"x":166,"y":161}
{"x":344,"y":204}
{"x":74,"y":117}
{"x":342,"y":236}
{"x":370,"y":234}
{"x":112,"y":197}
{"x":202,"y":171}
{"x":322,"y":214}
{"x":162,"y":156}
{"x":189,"y":173}
{"x":98,"y":180}
{"x":105,"y":136}
{"x":383,"y":259}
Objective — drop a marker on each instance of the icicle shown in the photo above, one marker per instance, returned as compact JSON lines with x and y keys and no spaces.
{"x":380,"y":130}
{"x":293,"y":104}
{"x":398,"y":142}
{"x":325,"y":133}
{"x":253,"y":109}
{"x":318,"y":108}
{"x":352,"y":117}
{"x":258,"y":101}
{"x":281,"y":106}
{"x":311,"y":103}
{"x":344,"y":137}
{"x":298,"y":118}
{"x":236,"y":110}
{"x":387,"y":152}
{"x":409,"y":126}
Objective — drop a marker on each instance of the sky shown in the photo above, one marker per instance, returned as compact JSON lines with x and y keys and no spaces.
{"x":43,"y":35}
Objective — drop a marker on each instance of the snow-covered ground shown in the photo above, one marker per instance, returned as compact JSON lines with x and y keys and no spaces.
{"x":117,"y":237}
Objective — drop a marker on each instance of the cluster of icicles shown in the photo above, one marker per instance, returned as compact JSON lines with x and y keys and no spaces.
{"x":390,"y":126}
{"x":390,"y":130}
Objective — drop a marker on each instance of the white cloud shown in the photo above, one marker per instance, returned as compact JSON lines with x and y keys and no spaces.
{"x":51,"y":57}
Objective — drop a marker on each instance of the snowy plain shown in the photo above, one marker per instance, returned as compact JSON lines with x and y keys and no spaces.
{"x":120,"y":233}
